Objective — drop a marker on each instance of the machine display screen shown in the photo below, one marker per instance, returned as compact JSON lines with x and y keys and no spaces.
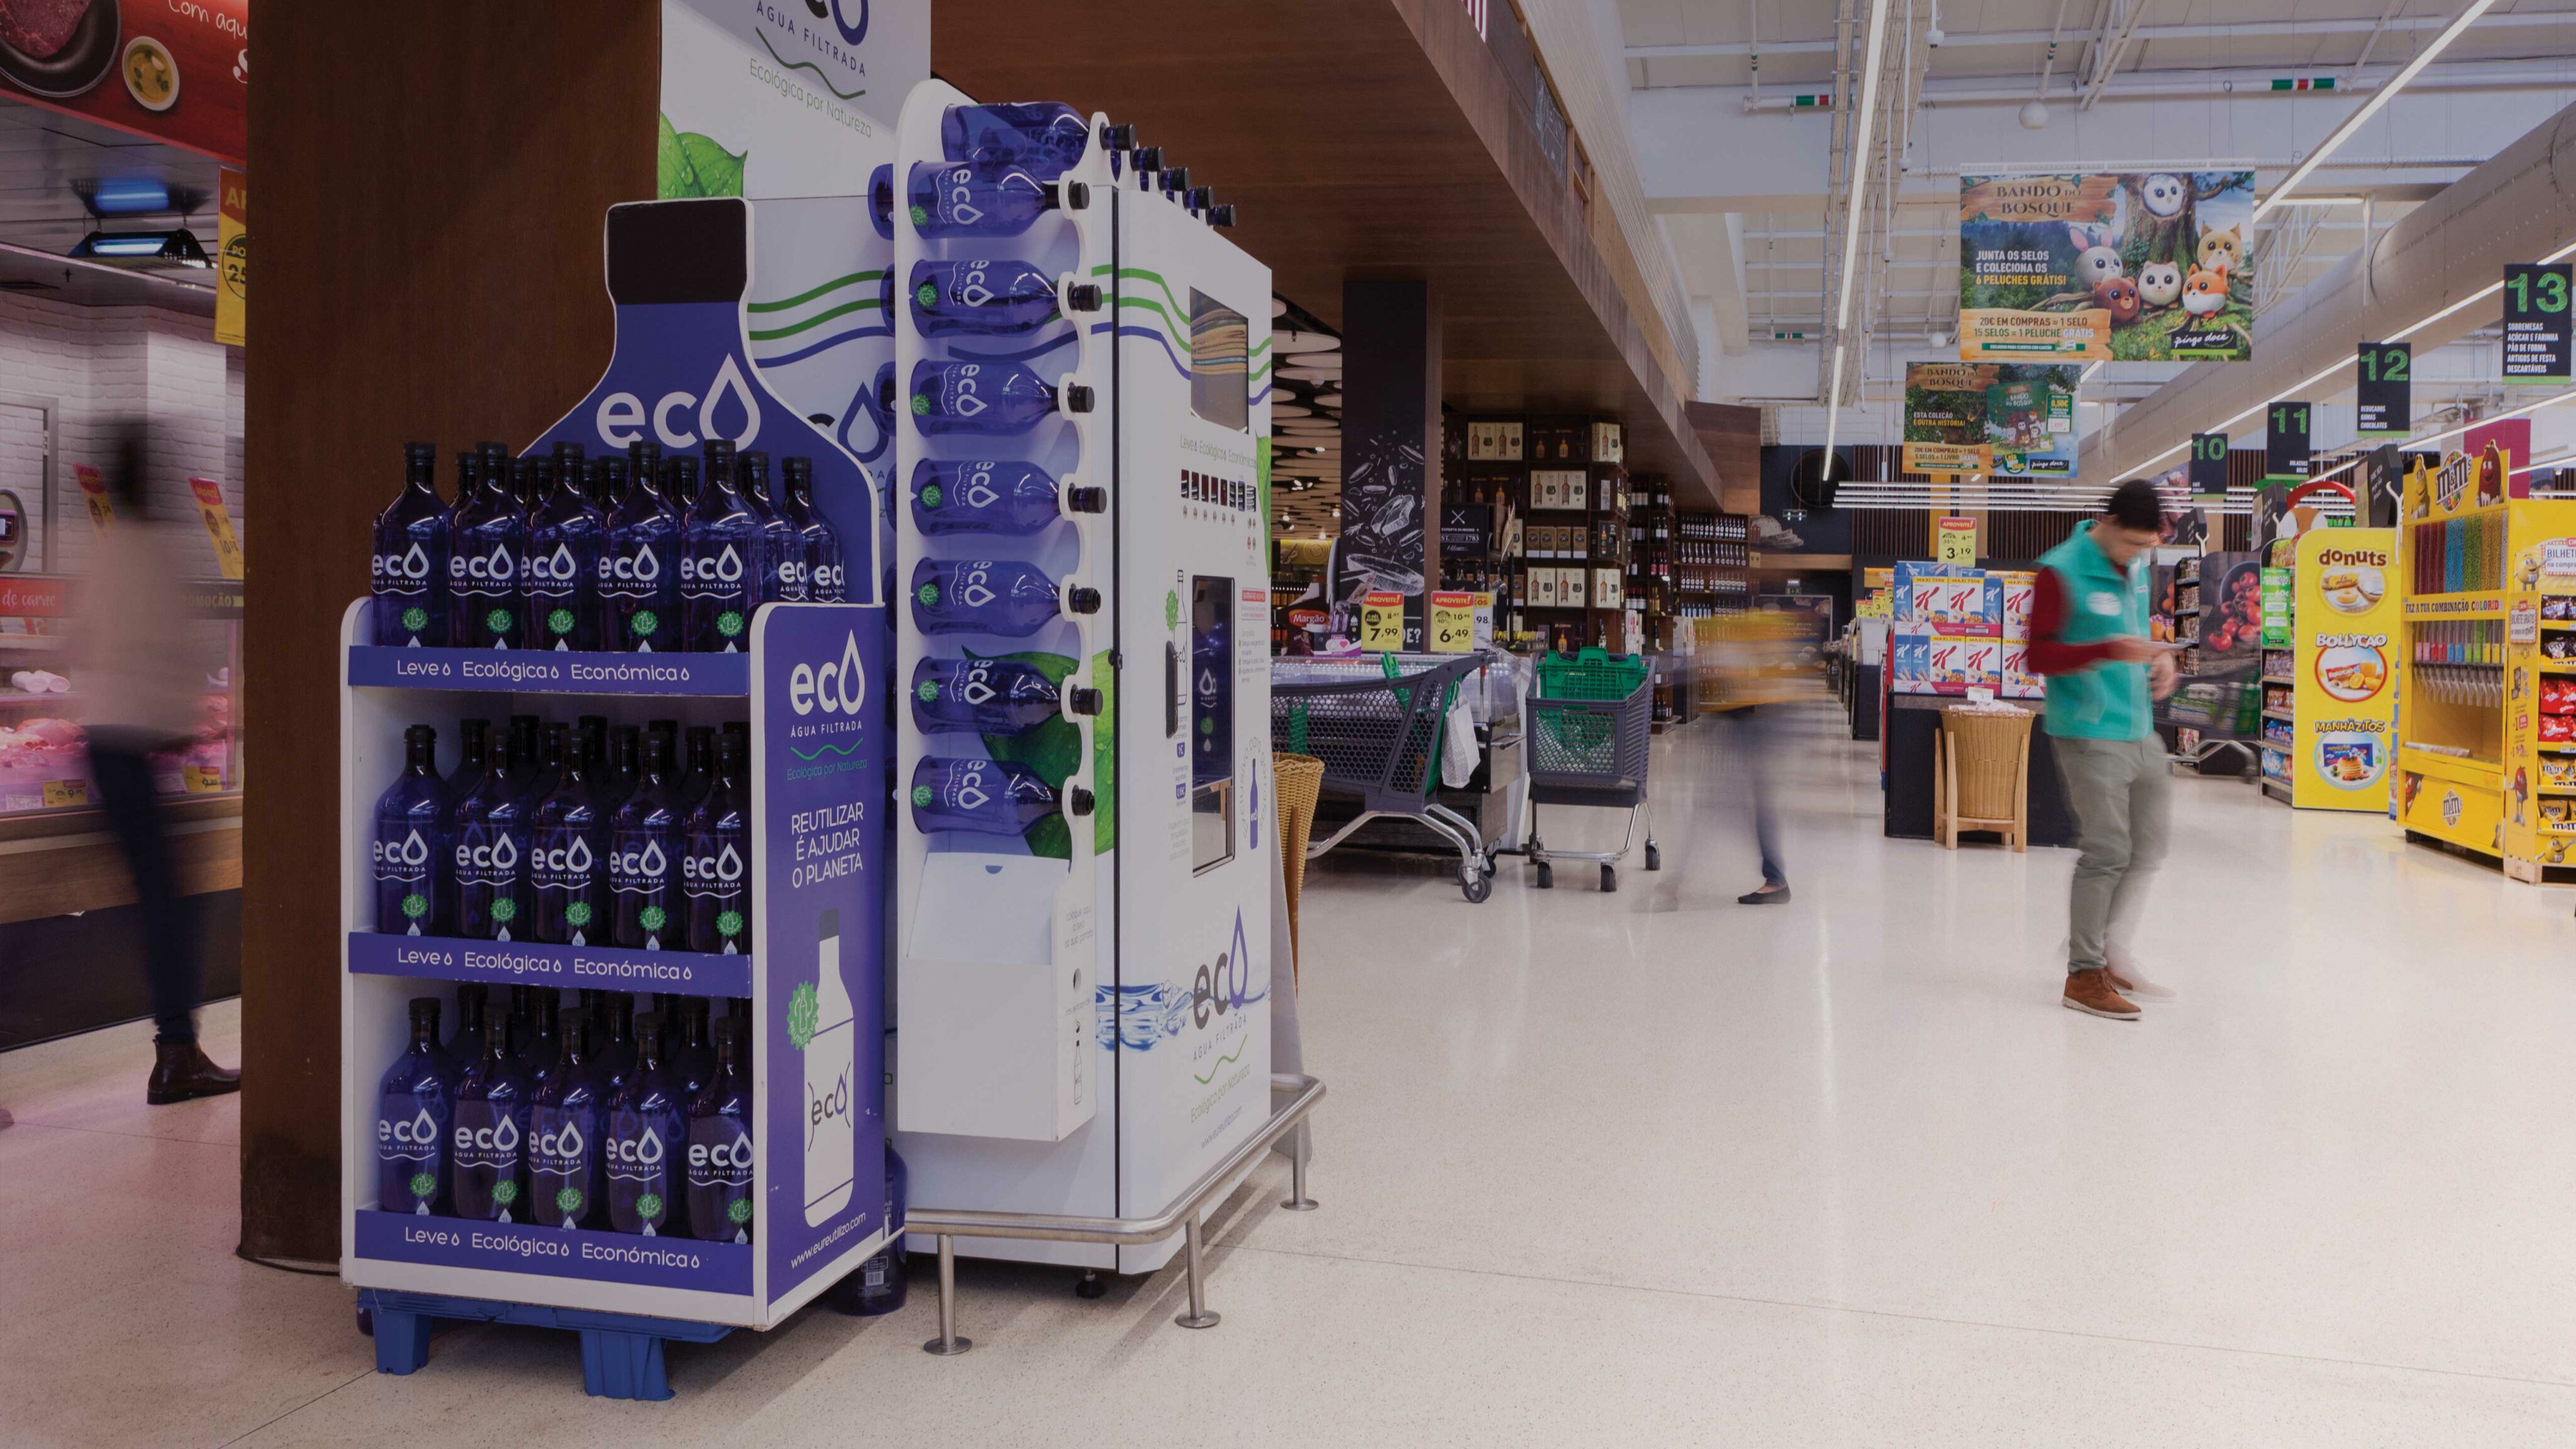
{"x":1220,"y":363}
{"x":1212,"y":647}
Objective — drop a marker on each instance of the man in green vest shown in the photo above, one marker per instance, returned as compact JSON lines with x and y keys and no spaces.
{"x":2089,"y":638}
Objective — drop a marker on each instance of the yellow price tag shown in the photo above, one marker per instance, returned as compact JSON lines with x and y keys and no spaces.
{"x":1382,"y":623}
{"x":1453,"y":623}
{"x":202,"y":779}
{"x":59,"y":793}
{"x":1956,"y":542}
{"x":219,"y":525}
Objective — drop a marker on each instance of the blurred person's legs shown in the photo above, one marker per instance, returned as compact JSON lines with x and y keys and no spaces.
{"x":2121,"y":795}
{"x":121,"y":773}
{"x":1754,"y":743}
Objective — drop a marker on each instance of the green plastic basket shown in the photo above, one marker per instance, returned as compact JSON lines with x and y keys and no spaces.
{"x":1593,"y":673}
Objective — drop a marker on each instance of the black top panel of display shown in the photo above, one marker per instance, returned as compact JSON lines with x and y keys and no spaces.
{"x":679,"y":251}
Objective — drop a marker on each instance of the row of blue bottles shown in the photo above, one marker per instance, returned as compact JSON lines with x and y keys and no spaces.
{"x":566,"y":844}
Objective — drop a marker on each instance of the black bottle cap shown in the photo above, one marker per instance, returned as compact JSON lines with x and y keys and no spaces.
{"x":1077,"y":398}
{"x":424,"y":1013}
{"x":567,"y":453}
{"x":1201,"y":198}
{"x":1222,"y":214}
{"x":733,"y":751}
{"x":1176,"y":180}
{"x":419,"y":735}
{"x":797,"y":469}
{"x":1082,"y":600}
{"x":1148,"y":158}
{"x":1078,"y":800}
{"x":420,"y":454}
{"x":1118,"y":138}
{"x":1085,"y":700}
{"x":1087,"y":499}
{"x":1083,"y":297}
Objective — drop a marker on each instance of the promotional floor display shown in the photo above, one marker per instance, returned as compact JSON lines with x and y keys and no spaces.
{"x":2341,"y":715}
{"x":1959,"y":630}
{"x":2487,"y":705}
{"x":1082,"y":872}
{"x":612,"y":745}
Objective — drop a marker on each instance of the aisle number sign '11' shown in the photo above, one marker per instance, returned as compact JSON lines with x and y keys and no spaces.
{"x":2536,"y":318}
{"x":2285,"y":442}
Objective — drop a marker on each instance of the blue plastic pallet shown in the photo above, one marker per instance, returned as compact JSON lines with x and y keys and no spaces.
{"x":621,"y":1353}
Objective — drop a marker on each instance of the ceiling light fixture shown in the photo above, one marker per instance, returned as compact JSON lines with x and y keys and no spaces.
{"x":2379,"y":96}
{"x":1856,"y":214}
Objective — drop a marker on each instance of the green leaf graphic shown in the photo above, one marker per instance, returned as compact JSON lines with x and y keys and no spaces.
{"x":498,"y":621}
{"x":505,"y":1192}
{"x":505,"y":911}
{"x":415,"y":618}
{"x":649,"y":1207}
{"x":673,"y":179}
{"x":1054,"y":749}
{"x":927,"y":295}
{"x":1171,"y":608}
{"x":568,"y":1201}
{"x":804,"y":1013}
{"x":920,"y":216}
{"x":719,"y":171}
{"x":577,"y":914}
{"x":415,"y":906}
{"x":652,"y":918}
{"x":643,"y":622}
{"x":729,"y":623}
{"x":739,"y":1210}
{"x":729,"y":923}
{"x":928,"y":691}
{"x":928,"y":594}
{"x":920,"y":405}
{"x":423,"y":1186}
{"x":560,"y":621}
{"x":921,"y":795}
{"x":930,"y":496}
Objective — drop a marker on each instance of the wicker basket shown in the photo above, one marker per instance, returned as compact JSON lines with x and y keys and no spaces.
{"x":1299,"y":783}
{"x":1982,"y":778}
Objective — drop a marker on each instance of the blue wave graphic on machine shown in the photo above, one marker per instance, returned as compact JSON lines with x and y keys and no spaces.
{"x":1136,"y":1018}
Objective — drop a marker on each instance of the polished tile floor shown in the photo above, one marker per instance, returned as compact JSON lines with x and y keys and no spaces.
{"x":1643,"y":1168}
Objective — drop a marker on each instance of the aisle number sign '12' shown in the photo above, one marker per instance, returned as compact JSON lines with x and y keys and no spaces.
{"x":2536,"y":318}
{"x":2285,"y":442}
{"x":2384,"y":387}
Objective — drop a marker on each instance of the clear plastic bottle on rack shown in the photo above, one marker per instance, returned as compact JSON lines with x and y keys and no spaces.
{"x":647,"y":1136}
{"x":991,"y":596}
{"x":995,"y":496}
{"x":962,"y":201}
{"x":982,"y":696}
{"x":995,"y":297}
{"x":1047,"y":137}
{"x":987,"y":399}
{"x":980,"y":796}
{"x":645,"y":903}
{"x":640,"y":573}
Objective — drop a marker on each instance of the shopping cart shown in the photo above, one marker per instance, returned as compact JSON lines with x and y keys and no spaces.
{"x":1379,"y":737}
{"x":1587,"y":730}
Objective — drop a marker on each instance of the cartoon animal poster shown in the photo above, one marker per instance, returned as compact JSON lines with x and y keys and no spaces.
{"x":2009,"y":419}
{"x":2127,"y":266}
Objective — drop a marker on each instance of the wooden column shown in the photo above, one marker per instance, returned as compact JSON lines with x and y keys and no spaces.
{"x":432,"y":183}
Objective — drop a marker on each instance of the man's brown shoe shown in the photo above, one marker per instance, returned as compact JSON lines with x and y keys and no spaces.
{"x":180,"y":1072}
{"x":2133,"y":982}
{"x":2090,"y":991}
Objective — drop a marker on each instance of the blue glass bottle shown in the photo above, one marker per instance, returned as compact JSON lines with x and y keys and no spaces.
{"x":826,"y":581}
{"x":692,"y":1062}
{"x":539,"y":1048}
{"x":489,"y":538}
{"x":644,"y":857}
{"x":951,"y":200}
{"x":466,"y":1047}
{"x":720,"y":1127}
{"x":565,"y":1134}
{"x":567,"y":861}
{"x":989,"y":596}
{"x":491,"y":853}
{"x":982,"y":696}
{"x":409,"y":571}
{"x":782,"y":550}
{"x":415,"y":1110}
{"x":474,"y":744}
{"x":615,"y":1027}
{"x":413,"y":894}
{"x":1047,"y":137}
{"x":881,"y":1278}
{"x":983,"y":797}
{"x":720,"y":550}
{"x":717,"y":873}
{"x":648,"y":1133}
{"x":1003,"y":297}
{"x":488,"y":1153}
{"x":985,"y":496}
{"x":565,"y":539}
{"x":525,"y":762}
{"x":986,"y":399}
{"x":639,"y":582}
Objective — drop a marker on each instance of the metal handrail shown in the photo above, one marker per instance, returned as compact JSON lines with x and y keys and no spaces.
{"x":949,"y":1224}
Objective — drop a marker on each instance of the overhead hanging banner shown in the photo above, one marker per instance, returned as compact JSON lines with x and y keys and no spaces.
{"x":1945,"y":417}
{"x":2383,"y":374}
{"x":2536,"y":333}
{"x":2134,"y":266}
{"x":178,"y":71}
{"x":2030,"y":419}
{"x":2285,"y":442}
{"x":2208,"y":464}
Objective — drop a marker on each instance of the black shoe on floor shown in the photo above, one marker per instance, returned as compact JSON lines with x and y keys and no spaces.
{"x":181,"y":1072}
{"x":1769,"y":896}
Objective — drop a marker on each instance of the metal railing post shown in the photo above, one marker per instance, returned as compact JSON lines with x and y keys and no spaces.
{"x":1198,"y":1316}
{"x":947,"y":1342}
{"x":1297,"y":1201}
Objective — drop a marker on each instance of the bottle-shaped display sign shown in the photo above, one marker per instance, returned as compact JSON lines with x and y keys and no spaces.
{"x":644,"y":857}
{"x":488,"y":539}
{"x":491,"y":853}
{"x":830,"y":1047}
{"x":415,"y":1110}
{"x":566,"y":537}
{"x":567,"y":861}
{"x":639,"y":582}
{"x":987,"y":399}
{"x":413,"y":895}
{"x":411,"y":560}
{"x":990,"y":596}
{"x":956,"y":201}
{"x":1047,"y":137}
{"x":648,"y":1132}
{"x":720,"y":553}
{"x":1000,"y":297}
{"x":565,"y":1133}
{"x":982,"y":696}
{"x":782,"y":549}
{"x":825,"y":582}
{"x":488,"y":1154}
{"x":880,"y":1279}
{"x":983,"y":797}
{"x":985,"y":496}
{"x":717,"y":872}
{"x":719,"y":1170}
{"x":1212,"y":706}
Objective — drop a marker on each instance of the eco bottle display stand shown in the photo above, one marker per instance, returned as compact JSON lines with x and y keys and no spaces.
{"x":812,"y":686}
{"x":1082,"y":1064}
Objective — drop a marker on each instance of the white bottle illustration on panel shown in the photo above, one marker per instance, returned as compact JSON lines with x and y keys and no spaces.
{"x":831,"y":1129}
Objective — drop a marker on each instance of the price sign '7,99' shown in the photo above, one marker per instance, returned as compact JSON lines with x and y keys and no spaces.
{"x":2536,"y":317}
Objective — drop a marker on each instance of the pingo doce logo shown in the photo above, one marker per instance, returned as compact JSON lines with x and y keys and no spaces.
{"x":622,"y":416}
{"x":837,"y":688}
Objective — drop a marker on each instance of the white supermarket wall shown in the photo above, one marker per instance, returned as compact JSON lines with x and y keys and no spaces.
{"x":99,"y":363}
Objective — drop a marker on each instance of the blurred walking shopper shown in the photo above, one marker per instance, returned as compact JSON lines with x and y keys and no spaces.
{"x":1755,"y":663}
{"x":2089,"y":637}
{"x":140,"y":658}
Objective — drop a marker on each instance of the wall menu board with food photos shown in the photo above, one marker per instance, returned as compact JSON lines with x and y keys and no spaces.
{"x":2135,"y":266}
{"x":2346,"y":622}
{"x":175,"y":72}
